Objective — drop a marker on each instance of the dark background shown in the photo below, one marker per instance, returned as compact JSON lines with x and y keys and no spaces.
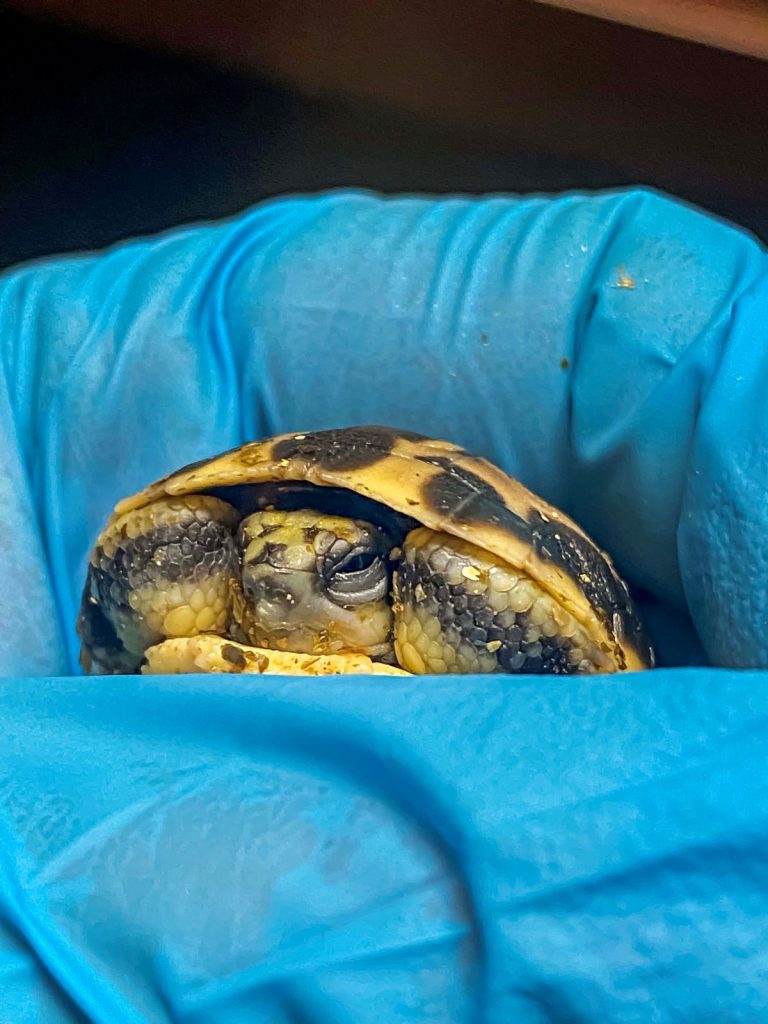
{"x":103,"y":139}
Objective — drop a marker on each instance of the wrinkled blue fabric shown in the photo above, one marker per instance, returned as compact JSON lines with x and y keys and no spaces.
{"x":464,"y":849}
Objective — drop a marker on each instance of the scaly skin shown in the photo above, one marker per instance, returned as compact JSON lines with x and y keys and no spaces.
{"x":303,"y":582}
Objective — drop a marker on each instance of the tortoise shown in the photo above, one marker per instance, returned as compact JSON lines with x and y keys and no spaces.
{"x":356,"y":549}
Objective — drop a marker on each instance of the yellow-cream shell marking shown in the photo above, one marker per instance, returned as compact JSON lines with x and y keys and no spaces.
{"x":502,"y":530}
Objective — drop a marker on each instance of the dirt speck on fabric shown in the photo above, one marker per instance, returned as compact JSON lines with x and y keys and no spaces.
{"x":624,"y":279}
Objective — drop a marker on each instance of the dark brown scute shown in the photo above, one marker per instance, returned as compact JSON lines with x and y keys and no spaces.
{"x":343,"y":449}
{"x":465,"y":497}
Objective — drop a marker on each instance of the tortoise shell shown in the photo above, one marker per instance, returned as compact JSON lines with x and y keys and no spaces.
{"x":436,"y":484}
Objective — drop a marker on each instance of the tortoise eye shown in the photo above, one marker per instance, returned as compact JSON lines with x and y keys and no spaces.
{"x":358,"y":561}
{"x":358,"y":579}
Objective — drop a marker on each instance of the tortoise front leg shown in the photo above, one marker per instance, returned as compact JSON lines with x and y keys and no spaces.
{"x":160,"y":571}
{"x":459,"y":609}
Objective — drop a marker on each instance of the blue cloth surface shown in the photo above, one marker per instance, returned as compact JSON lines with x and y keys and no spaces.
{"x":469,"y":849}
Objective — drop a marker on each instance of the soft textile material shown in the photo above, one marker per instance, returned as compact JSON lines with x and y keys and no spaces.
{"x":468,"y":849}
